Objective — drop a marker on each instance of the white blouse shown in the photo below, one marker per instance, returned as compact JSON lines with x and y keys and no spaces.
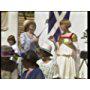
{"x":49,"y":69}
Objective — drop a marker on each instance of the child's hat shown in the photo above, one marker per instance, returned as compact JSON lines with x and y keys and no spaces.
{"x":46,"y":48}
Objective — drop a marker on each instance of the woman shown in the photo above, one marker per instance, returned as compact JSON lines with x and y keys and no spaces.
{"x":68,"y":61}
{"x":28,"y":40}
{"x":32,"y":69}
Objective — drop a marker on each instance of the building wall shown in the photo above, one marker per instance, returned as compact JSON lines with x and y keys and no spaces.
{"x":12,"y":27}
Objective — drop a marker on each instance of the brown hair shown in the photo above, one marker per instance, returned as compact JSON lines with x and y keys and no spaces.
{"x":11,"y":38}
{"x":66,"y":22}
{"x":26,"y":26}
{"x":30,"y":59}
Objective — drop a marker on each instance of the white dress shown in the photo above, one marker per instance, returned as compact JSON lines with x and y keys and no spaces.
{"x":66,"y":62}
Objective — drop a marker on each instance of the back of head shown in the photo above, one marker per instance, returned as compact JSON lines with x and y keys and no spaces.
{"x":8,"y":65}
{"x":30,"y":58}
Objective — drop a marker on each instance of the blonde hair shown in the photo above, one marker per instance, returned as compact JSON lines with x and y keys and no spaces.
{"x":66,"y":22}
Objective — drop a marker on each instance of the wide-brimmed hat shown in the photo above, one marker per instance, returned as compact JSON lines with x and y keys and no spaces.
{"x":46,"y":49}
{"x":6,"y":51}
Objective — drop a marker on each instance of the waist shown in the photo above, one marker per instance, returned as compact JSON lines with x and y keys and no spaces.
{"x":66,"y":55}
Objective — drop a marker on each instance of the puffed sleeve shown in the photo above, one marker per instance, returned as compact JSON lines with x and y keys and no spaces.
{"x":22,"y":39}
{"x":74,"y":38}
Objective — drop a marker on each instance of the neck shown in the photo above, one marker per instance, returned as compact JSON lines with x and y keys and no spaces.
{"x":46,"y":60}
{"x":66,"y":31}
{"x":30,"y":34}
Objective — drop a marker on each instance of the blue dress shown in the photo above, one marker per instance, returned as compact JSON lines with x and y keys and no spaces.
{"x":35,"y":74}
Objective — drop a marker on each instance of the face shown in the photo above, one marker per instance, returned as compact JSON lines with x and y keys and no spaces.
{"x":11,"y":42}
{"x":31,"y":28}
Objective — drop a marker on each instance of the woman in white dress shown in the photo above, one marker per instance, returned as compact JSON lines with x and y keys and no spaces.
{"x":67,"y":61}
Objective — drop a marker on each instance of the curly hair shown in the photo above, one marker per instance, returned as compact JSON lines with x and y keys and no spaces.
{"x":26,"y":26}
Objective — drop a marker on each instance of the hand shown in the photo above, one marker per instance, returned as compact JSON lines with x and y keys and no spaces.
{"x":57,"y":53}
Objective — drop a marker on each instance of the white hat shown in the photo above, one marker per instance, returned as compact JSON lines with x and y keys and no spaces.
{"x":47,"y":48}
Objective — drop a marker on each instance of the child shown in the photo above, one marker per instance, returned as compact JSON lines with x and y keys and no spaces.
{"x":17,"y":56}
{"x":48,"y":65}
{"x":29,"y":62}
{"x":12,"y":42}
{"x":8,"y":68}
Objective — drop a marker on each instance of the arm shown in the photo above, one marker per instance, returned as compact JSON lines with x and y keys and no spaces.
{"x":22,"y":39}
{"x":58,"y":45}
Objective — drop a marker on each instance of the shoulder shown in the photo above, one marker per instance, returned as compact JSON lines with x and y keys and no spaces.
{"x":39,"y":62}
{"x":23,"y":34}
{"x":38,"y":73}
{"x":37,"y":70}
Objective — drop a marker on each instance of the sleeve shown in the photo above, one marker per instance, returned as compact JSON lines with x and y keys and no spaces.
{"x":16,"y":49}
{"x":22,"y":39}
{"x":74,"y":38}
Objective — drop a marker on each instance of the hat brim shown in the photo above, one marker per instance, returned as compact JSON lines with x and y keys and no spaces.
{"x":46,"y":51}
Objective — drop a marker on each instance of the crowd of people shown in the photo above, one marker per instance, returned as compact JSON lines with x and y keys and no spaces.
{"x":32,"y":61}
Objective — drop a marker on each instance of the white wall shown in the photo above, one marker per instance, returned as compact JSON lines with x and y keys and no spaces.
{"x":42,"y":27}
{"x":12,"y":27}
{"x":79,"y":25}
